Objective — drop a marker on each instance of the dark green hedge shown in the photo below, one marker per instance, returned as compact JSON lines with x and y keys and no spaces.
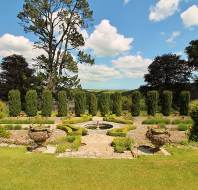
{"x":62,"y":103}
{"x":167,"y":97}
{"x":104,"y":104}
{"x":184,"y":102}
{"x":194,"y":130}
{"x":80,"y":103}
{"x":135,"y":107}
{"x":31,"y":103}
{"x":117,"y":104}
{"x":47,"y":103}
{"x":152,"y":102}
{"x":14,"y":101}
{"x":93,"y":104}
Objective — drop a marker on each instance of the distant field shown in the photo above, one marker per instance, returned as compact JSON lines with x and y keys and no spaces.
{"x":22,"y":171}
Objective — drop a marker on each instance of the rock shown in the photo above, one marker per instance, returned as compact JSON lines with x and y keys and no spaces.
{"x":50,"y":150}
{"x":3,"y":144}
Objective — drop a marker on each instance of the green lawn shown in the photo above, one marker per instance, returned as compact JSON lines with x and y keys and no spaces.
{"x":23,"y":171}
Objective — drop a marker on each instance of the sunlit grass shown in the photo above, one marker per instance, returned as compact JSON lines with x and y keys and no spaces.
{"x":20,"y":170}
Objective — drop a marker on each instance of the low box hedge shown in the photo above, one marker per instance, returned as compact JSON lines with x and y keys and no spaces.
{"x":113,"y":118}
{"x":155,"y":121}
{"x":122,"y":144}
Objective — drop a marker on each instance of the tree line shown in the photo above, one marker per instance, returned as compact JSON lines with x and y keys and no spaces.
{"x":106,"y":103}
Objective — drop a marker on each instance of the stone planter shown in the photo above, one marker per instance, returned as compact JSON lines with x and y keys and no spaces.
{"x":39,"y":135}
{"x":157,"y":136}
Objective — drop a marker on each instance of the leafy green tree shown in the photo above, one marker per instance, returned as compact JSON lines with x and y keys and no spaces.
{"x":80,"y":103}
{"x":168,"y":72}
{"x":117,"y":103}
{"x":93,"y":104}
{"x":47,"y":103}
{"x":31,"y":103}
{"x":152,"y":102}
{"x":15,"y":74}
{"x":62,"y":104}
{"x":192,"y":52}
{"x":104,"y":103}
{"x":167,"y":98}
{"x":57,"y":25}
{"x":14,"y":101}
{"x":135,"y":108}
{"x":184,"y":102}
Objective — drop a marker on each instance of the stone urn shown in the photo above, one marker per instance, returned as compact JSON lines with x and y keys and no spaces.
{"x":39,"y":135}
{"x":158,"y":137}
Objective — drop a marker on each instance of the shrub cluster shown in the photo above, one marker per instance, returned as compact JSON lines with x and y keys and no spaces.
{"x":11,"y":127}
{"x":183,"y":127}
{"x":47,"y":103}
{"x":4,"y":133}
{"x":120,"y":132}
{"x":62,"y":104}
{"x":194,"y":130}
{"x":167,"y":98}
{"x":37,"y":120}
{"x":3,"y":110}
{"x":135,"y":107}
{"x":122,"y":144}
{"x":31,"y":103}
{"x":152,"y":102}
{"x":104,"y":104}
{"x":182,"y":121}
{"x":74,"y":120}
{"x":93,"y":104}
{"x":73,"y":130}
{"x":14,"y":101}
{"x":117,"y":104}
{"x":156,"y":121}
{"x":80,"y":103}
{"x":113,"y":118}
{"x":184,"y":102}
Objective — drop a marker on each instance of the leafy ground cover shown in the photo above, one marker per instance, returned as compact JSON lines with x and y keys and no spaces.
{"x":37,"y":171}
{"x":35,"y":120}
{"x":122,"y":120}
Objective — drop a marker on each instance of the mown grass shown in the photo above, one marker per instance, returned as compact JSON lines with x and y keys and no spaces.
{"x":22,"y":171}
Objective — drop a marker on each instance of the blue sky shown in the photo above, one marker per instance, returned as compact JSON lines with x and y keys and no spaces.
{"x":124,"y":38}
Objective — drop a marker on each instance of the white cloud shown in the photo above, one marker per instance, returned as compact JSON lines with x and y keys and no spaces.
{"x":10,"y":44}
{"x":124,"y":67}
{"x":132,"y":66}
{"x":106,"y":41}
{"x":126,"y":1}
{"x":163,"y":9}
{"x":190,"y":16}
{"x":97,"y":72}
{"x":173,"y":36}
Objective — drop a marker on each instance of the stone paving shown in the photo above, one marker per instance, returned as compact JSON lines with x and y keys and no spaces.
{"x":96,"y":145}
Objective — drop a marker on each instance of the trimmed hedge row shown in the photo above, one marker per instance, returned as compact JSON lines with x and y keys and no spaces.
{"x":104,"y":104}
{"x":167,"y":98}
{"x":31,"y":103}
{"x":62,"y":104}
{"x":14,"y":101}
{"x":193,"y":136}
{"x":135,"y":108}
{"x":80,"y":103}
{"x":107,"y":103}
{"x":93,"y":105}
{"x":120,"y":132}
{"x":152,"y":102}
{"x":117,"y":104}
